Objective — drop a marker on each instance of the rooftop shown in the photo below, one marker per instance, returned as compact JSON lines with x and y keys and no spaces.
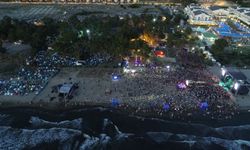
{"x":248,"y":14}
{"x":65,"y":88}
{"x":215,"y":8}
{"x":198,"y":12}
{"x":209,"y":35}
{"x":238,"y":75}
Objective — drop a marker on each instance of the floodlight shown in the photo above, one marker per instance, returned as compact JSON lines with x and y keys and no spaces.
{"x":223,"y":71}
{"x":125,"y":70}
{"x":236,"y":86}
{"x":87,"y":31}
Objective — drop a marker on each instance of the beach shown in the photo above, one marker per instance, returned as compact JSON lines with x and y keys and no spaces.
{"x":144,"y":93}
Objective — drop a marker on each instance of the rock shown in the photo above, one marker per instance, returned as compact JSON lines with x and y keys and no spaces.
{"x":110,"y":129}
{"x":70,"y":124}
{"x":28,"y":139}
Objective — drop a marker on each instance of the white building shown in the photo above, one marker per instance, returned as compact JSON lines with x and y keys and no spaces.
{"x":240,"y":13}
{"x":199,"y":15}
{"x":218,"y":12}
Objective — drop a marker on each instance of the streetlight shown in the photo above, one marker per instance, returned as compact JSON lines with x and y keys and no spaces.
{"x":187,"y":82}
{"x":223,"y":71}
{"x":87,"y":31}
{"x":236,"y":87}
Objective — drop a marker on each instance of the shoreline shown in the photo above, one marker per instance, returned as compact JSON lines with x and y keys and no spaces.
{"x":60,"y":106}
{"x":242,"y":118}
{"x":87,"y":97}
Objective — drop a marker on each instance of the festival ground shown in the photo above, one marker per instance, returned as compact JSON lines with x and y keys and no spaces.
{"x":148,"y":91}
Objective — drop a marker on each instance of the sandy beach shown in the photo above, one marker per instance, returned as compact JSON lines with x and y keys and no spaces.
{"x":144,"y":93}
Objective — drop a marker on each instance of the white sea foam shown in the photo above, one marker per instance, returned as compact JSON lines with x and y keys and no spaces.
{"x":71,"y":124}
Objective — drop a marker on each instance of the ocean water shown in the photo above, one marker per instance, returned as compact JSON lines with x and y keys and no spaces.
{"x":99,"y":128}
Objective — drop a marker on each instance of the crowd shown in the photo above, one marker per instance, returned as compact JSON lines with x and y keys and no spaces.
{"x":37,"y":71}
{"x":97,"y":59}
{"x":150,"y":89}
{"x":35,"y":74}
{"x":154,"y":90}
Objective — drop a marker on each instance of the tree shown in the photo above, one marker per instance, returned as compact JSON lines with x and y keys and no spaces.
{"x":218,"y":46}
{"x":178,"y":17}
{"x":170,"y":40}
{"x":2,"y":49}
{"x":66,"y":42}
{"x":12,"y":35}
{"x":38,"y":41}
{"x":5,"y":26}
{"x":51,"y":27}
{"x":188,"y":31}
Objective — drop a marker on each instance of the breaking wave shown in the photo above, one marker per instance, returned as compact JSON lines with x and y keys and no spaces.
{"x":95,"y":128}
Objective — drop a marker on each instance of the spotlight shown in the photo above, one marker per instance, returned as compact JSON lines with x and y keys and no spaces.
{"x":236,"y":86}
{"x":223,"y":71}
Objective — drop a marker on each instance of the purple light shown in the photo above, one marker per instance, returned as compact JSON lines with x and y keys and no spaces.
{"x":181,"y":85}
{"x":137,"y":62}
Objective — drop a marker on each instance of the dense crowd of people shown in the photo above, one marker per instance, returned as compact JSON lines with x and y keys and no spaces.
{"x":150,"y":89}
{"x":155,"y":90}
{"x":37,"y":71}
{"x":97,"y":59}
{"x":34,"y":76}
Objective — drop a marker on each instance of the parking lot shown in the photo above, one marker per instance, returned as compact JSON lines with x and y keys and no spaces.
{"x":34,"y":12}
{"x":29,"y":12}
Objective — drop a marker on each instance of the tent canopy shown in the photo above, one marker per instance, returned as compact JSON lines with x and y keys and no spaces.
{"x":238,"y":75}
{"x":65,"y":88}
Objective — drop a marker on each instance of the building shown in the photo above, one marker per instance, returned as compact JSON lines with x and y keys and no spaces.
{"x":234,"y":80}
{"x":67,"y":90}
{"x":240,"y":13}
{"x":218,"y":12}
{"x":240,"y":82}
{"x":199,"y":15}
{"x":206,"y":1}
{"x":82,"y":1}
{"x":208,"y":37}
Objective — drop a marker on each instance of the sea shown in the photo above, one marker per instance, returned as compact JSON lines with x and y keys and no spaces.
{"x":103,"y":128}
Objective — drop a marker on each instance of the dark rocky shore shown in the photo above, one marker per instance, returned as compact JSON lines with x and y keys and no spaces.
{"x":97,"y":128}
